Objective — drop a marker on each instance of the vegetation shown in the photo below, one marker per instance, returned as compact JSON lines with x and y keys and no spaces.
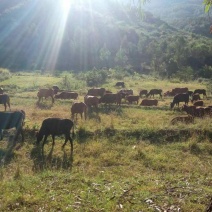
{"x":127,"y":158}
{"x":117,"y":38}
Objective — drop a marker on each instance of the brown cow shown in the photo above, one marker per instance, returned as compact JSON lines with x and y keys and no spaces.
{"x":198,"y":103}
{"x":149,"y":102}
{"x":91,"y":101}
{"x":67,"y":95}
{"x":96,"y":91}
{"x":153,"y":92}
{"x":185,"y":119}
{"x":5,"y":100}
{"x":143,"y":92}
{"x":125,"y":92}
{"x":179,"y":90}
{"x":45,"y":92}
{"x":194,"y":111}
{"x":132,"y":99}
{"x":79,"y":107}
{"x":195,"y":97}
{"x":111,"y":98}
{"x":169,"y":93}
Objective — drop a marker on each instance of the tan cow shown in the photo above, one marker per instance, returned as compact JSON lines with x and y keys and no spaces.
{"x":91,"y":101}
{"x":45,"y":92}
{"x":149,"y":102}
{"x":79,"y":107}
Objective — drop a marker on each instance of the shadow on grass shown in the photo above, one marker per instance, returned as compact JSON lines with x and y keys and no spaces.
{"x":6,"y":155}
{"x":44,"y":105}
{"x":107,"y":109}
{"x":49,"y":161}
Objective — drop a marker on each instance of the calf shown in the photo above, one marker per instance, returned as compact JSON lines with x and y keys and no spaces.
{"x":10,"y":120}
{"x":149,"y":102}
{"x":132,"y":99}
{"x":5,"y":100}
{"x":185,"y":119}
{"x":53,"y":127}
{"x":79,"y":107}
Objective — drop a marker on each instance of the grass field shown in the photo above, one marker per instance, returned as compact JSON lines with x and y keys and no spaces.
{"x":126,"y":158}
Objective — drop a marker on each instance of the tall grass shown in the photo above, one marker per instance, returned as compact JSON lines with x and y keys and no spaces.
{"x":126,"y":158}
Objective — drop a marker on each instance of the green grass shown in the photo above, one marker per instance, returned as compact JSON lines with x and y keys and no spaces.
{"x":125,"y":159}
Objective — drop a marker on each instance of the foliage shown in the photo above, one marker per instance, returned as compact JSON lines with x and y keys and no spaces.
{"x":4,"y":74}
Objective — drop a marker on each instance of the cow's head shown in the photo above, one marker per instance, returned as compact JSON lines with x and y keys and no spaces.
{"x":39,"y":137}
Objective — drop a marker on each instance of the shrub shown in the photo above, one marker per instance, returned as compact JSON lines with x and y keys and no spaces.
{"x":4,"y":74}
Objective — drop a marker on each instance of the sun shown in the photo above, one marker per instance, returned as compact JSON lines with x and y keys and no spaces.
{"x":65,"y":5}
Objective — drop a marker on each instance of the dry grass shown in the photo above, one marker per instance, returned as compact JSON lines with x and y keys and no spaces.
{"x":125,"y":159}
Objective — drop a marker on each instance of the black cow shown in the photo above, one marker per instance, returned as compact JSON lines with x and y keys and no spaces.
{"x":153,"y":92}
{"x":181,"y":97}
{"x":121,"y":84}
{"x":5,"y":100}
{"x":10,"y":120}
{"x":201,"y":91}
{"x":56,"y":126}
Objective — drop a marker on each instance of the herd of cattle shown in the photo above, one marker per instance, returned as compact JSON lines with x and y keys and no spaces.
{"x":96,"y":96}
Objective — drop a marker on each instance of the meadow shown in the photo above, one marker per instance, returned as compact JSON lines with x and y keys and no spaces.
{"x":127,"y":158}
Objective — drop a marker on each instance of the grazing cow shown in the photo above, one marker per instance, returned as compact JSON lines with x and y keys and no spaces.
{"x":45,"y":92}
{"x":5,"y":100}
{"x":132,"y":99}
{"x":55,"y":88}
{"x":149,"y":102}
{"x":153,"y":92}
{"x":194,"y":111}
{"x":181,"y":97}
{"x":108,"y":91}
{"x":201,"y":91}
{"x":10,"y":120}
{"x":125,"y":92}
{"x":121,"y":84}
{"x":198,"y":103}
{"x":96,"y":92}
{"x":53,"y":127}
{"x":111,"y":98}
{"x":185,"y":119}
{"x":66,"y":95}
{"x":91,"y":101}
{"x":79,"y":107}
{"x":179,"y":90}
{"x":143,"y":92}
{"x":195,"y":97}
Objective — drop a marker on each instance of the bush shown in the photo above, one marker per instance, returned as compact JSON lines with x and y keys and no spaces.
{"x":96,"y":77}
{"x":4,"y":74}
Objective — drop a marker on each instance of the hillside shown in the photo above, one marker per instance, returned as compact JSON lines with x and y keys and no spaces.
{"x":184,"y":14}
{"x":46,"y":36}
